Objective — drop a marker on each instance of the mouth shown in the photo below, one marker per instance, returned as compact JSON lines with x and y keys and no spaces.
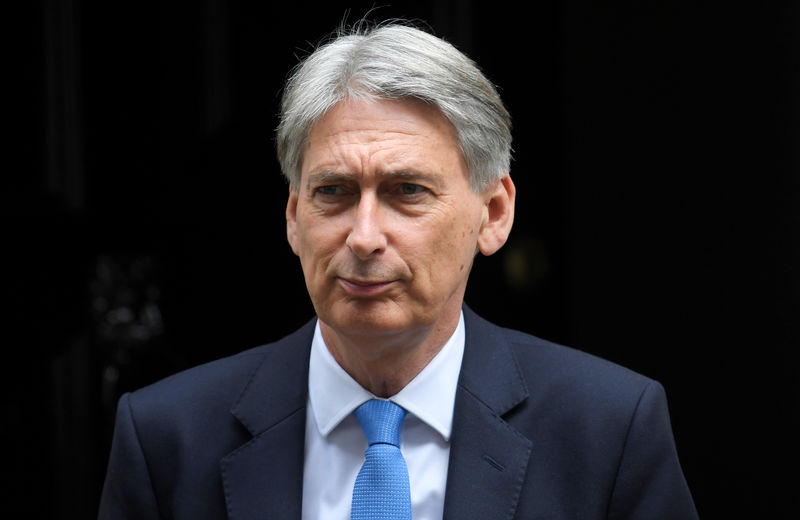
{"x":364,"y":287}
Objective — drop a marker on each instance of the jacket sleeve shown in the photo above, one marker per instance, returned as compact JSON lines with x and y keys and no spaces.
{"x":650,"y":483}
{"x":128,"y":491}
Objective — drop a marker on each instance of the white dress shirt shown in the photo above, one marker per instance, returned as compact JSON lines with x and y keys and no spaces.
{"x":335,"y":443}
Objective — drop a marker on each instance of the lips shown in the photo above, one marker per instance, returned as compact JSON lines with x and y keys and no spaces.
{"x":364,"y":287}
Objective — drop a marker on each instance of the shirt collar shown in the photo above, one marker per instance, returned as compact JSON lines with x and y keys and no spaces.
{"x":430,"y":396}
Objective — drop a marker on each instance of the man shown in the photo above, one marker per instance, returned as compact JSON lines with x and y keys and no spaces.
{"x":397,"y":150}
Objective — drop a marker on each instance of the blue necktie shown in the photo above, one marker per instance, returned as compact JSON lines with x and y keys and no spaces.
{"x":382,"y":490}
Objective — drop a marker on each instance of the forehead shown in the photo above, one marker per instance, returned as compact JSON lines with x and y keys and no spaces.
{"x":382,"y":113}
{"x":374,"y":131}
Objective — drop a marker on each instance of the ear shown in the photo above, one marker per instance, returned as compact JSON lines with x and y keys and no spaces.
{"x":498,"y":215}
{"x":291,"y":219}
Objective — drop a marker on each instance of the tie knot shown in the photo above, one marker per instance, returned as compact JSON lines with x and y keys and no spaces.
{"x":381,"y":421}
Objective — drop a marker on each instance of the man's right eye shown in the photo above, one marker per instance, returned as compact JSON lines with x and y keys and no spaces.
{"x":332,"y":189}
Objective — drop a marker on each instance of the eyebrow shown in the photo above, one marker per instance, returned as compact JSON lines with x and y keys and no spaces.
{"x":326,"y":177}
{"x":333,"y":177}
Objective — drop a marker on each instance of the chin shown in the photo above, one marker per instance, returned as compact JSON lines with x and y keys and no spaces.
{"x":362,"y":319}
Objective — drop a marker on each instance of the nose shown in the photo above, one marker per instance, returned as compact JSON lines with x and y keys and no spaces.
{"x":366,"y":236}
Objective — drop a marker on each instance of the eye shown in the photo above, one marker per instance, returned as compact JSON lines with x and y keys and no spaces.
{"x":332,"y":194}
{"x":408,"y":188}
{"x":329,"y":190}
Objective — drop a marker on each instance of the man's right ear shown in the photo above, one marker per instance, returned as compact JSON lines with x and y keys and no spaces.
{"x":291,"y":219}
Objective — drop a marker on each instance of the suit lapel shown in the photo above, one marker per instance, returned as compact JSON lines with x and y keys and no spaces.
{"x":264,"y":477}
{"x":488,"y":457}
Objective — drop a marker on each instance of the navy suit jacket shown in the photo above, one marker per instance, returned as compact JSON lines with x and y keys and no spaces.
{"x":540,"y":431}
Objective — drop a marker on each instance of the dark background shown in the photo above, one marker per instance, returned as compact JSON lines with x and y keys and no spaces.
{"x":656,"y":161}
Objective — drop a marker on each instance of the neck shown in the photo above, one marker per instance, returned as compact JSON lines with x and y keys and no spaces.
{"x":385,"y":363}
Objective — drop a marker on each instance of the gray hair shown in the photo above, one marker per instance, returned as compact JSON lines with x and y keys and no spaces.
{"x":397,"y":61}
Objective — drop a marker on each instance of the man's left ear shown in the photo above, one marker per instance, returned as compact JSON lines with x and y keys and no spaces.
{"x":498,"y":215}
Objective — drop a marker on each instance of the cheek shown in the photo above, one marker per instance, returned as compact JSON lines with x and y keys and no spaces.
{"x":316,"y":243}
{"x":448,"y":250}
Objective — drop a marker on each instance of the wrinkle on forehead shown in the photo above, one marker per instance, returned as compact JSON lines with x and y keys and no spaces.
{"x":419,"y":110}
{"x":354,"y":138}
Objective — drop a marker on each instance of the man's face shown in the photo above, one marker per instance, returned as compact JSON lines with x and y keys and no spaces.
{"x":383,"y":218}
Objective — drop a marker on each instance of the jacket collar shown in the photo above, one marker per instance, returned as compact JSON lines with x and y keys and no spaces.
{"x":488,"y":457}
{"x":264,"y":477}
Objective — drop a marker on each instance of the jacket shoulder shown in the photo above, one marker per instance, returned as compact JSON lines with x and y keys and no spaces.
{"x":563,"y":375}
{"x":214,"y":387}
{"x":533,"y":350}
{"x":572,"y":364}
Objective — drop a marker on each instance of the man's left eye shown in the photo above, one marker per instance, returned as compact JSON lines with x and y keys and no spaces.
{"x":410,"y":189}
